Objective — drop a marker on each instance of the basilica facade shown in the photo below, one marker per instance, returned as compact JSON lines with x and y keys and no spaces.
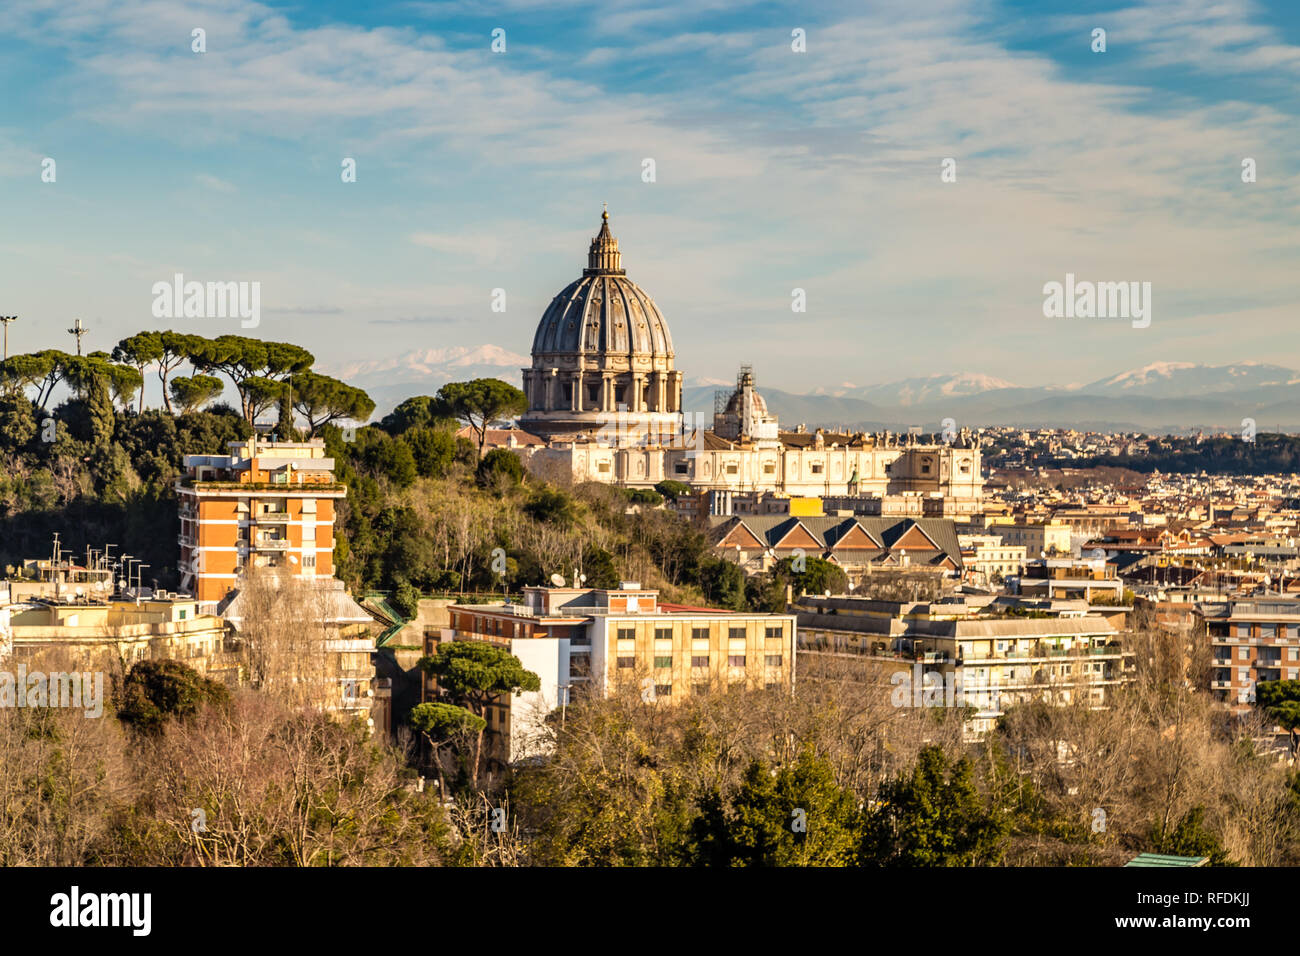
{"x":605,"y":394}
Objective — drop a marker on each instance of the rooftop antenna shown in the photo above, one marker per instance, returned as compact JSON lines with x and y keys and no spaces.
{"x":78,"y":330}
{"x":5,"y":320}
{"x":139,"y":583}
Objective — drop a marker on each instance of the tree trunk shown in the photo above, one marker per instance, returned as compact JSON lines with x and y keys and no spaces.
{"x":478,"y":750}
{"x":162,"y":377}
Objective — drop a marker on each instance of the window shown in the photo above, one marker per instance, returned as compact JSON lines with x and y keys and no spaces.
{"x":772,"y":660}
{"x":309,"y":560}
{"x":699,"y":688}
{"x":626,"y":633}
{"x":603,"y":467}
{"x":769,"y":468}
{"x":627,"y":662}
{"x":663,"y":633}
{"x":180,"y":616}
{"x":682,"y":468}
{"x":736,"y":633}
{"x":735,"y":660}
{"x":1243,"y":653}
{"x":775,"y":631}
{"x":700,"y":660}
{"x":732,"y":469}
{"x":663,"y":690}
{"x":817,"y":468}
{"x":663,"y":662}
{"x":700,"y":633}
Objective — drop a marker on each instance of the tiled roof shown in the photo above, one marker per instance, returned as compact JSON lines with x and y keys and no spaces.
{"x":829,"y":530}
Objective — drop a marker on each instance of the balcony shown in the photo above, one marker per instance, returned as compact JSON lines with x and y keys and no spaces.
{"x":271,"y":544}
{"x":1221,"y":684}
{"x":1044,"y":652}
{"x":272,"y":517}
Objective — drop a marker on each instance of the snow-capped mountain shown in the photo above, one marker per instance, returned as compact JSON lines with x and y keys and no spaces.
{"x":390,"y":381}
{"x":1172,"y":396}
{"x":1178,"y":379}
{"x":916,"y":391}
{"x":454,"y":362}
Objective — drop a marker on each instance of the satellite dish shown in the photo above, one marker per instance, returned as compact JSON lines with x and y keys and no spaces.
{"x":557,"y":580}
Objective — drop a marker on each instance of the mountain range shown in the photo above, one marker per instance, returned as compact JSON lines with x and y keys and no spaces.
{"x":1172,"y":397}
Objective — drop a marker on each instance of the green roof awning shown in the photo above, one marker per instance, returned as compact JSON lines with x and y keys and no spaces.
{"x":1160,"y":859}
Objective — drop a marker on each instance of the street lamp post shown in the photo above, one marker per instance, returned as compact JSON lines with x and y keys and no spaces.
{"x":564,"y":702}
{"x":5,"y":320}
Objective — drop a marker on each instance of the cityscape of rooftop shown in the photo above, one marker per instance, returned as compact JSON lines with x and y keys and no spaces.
{"x":443,"y":437}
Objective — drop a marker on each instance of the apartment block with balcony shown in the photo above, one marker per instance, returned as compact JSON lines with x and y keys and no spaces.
{"x":998,"y":659}
{"x":593,"y":640}
{"x":1252,"y":640}
{"x":1036,"y":537}
{"x":987,"y":561}
{"x":1089,"y":579}
{"x":105,"y":634}
{"x":266,"y":504}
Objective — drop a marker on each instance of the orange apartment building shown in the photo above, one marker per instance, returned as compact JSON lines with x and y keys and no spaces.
{"x":1252,"y":640}
{"x":266,"y":504}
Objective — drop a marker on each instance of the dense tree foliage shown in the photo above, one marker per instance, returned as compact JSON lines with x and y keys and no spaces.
{"x":157,"y":690}
{"x":478,"y":673}
{"x":1267,"y":454}
{"x":1280,"y":700}
{"x":481,"y":403}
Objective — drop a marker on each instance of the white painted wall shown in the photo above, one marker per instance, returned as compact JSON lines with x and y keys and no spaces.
{"x":548,"y":658}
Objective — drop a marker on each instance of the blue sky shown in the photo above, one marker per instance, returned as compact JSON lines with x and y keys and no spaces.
{"x":775,"y":170}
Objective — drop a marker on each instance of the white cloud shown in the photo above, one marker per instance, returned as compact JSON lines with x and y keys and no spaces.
{"x":819,"y":170}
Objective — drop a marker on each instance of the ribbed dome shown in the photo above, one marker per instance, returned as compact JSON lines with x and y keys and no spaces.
{"x":736,"y":406}
{"x":602,"y":355}
{"x":604,"y":311}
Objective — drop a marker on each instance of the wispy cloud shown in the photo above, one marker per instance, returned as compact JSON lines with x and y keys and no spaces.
{"x":213,"y":183}
{"x":775,"y":170}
